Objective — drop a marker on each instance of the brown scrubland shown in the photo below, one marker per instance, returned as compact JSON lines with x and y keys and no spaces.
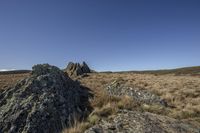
{"x":182,"y":93}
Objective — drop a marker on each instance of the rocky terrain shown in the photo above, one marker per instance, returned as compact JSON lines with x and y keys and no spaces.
{"x":50,"y":100}
{"x":76,"y":69}
{"x":137,"y":119}
{"x":136,"y":122}
{"x":117,"y":88}
{"x":45,"y":102}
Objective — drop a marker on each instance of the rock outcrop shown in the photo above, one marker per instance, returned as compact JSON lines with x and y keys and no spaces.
{"x":45,"y":102}
{"x":117,"y":88}
{"x":136,"y":122}
{"x":76,"y":69}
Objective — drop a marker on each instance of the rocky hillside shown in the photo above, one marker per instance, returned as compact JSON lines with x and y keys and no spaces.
{"x":45,"y":102}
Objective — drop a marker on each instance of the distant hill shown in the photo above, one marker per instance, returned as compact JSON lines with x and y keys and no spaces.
{"x":14,"y":72}
{"x":195,"y":70}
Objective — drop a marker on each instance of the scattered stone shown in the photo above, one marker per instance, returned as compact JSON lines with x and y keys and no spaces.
{"x":137,"y":122}
{"x":45,"y":102}
{"x":76,"y":69}
{"x":119,"y":89}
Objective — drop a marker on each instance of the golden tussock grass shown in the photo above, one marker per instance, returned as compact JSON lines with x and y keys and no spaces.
{"x":181,"y":92}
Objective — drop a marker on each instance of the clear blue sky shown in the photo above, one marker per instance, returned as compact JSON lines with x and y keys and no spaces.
{"x":107,"y":34}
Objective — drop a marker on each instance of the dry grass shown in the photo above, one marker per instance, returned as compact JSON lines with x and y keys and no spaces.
{"x":79,"y":127}
{"x":156,"y":109}
{"x":105,"y":107}
{"x":102,"y":99}
{"x":7,"y":80}
{"x":182,"y":92}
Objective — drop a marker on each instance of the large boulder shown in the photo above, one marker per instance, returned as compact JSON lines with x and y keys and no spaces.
{"x":76,"y":69}
{"x":45,"y":102}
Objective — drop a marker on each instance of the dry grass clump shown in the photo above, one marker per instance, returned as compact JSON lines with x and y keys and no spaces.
{"x":79,"y":127}
{"x":105,"y":107}
{"x":156,"y":109}
{"x":128,"y":103}
{"x":189,"y":112}
{"x":103,"y":100}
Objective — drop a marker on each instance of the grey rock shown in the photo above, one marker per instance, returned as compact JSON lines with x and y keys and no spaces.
{"x":46,"y":102}
{"x":119,"y":89}
{"x":76,"y":69}
{"x":137,"y":122}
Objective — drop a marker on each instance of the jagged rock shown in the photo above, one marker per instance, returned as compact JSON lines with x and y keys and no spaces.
{"x":45,"y":102}
{"x":76,"y":69}
{"x":117,"y":88}
{"x":137,"y":122}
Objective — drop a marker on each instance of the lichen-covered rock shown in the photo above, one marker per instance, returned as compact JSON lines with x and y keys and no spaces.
{"x":45,"y":102}
{"x":119,"y":89}
{"x":76,"y":69}
{"x":137,"y":122}
{"x":42,"y":69}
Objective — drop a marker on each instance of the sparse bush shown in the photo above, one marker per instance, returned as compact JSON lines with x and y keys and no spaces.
{"x":106,"y":110}
{"x":102,"y":98}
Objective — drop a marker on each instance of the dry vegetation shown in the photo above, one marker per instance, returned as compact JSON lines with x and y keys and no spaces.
{"x":105,"y":107}
{"x":181,"y":92}
{"x":7,"y":80}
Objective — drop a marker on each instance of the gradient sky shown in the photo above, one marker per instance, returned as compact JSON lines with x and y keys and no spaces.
{"x":107,"y":34}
